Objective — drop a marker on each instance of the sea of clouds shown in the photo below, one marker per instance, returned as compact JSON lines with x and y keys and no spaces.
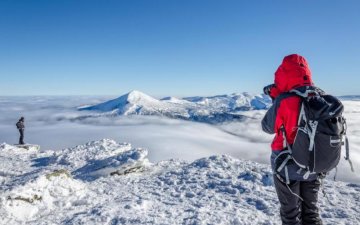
{"x":55,"y":123}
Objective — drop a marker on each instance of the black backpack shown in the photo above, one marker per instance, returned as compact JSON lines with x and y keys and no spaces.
{"x":320,"y":133}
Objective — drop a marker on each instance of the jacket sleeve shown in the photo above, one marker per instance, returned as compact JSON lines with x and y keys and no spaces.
{"x":268,"y":122}
{"x":274,"y":92}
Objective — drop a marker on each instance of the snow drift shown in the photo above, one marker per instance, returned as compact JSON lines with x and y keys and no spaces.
{"x":104,"y":182}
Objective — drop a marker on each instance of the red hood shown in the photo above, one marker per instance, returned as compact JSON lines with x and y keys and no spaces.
{"x":293,"y":72}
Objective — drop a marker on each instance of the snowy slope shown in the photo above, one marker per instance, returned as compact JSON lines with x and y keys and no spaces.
{"x":214,"y":109}
{"x":133,"y":102}
{"x":104,"y":182}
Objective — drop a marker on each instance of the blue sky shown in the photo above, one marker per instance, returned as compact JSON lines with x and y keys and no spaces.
{"x":173,"y":47}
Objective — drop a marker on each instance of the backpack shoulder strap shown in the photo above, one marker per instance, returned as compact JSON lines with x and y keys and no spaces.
{"x":305,"y":91}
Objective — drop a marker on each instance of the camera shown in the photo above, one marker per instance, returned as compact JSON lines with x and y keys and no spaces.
{"x":267,"y":89}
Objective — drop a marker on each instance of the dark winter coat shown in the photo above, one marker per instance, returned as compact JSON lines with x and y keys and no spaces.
{"x":20,"y":125}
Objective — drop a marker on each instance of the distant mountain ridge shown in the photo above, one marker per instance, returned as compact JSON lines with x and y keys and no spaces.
{"x":213,"y":109}
{"x":350,"y":97}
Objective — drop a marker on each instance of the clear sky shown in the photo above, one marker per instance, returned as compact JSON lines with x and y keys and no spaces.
{"x":173,"y":47}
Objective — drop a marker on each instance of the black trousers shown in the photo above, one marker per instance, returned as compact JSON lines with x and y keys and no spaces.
{"x":292,"y":209}
{"x":21,"y":139}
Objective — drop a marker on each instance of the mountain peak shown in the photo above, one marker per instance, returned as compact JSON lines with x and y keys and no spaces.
{"x":131,"y":100}
{"x":135,"y":97}
{"x":135,"y":93}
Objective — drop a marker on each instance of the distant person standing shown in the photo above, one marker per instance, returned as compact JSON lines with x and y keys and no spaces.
{"x":21,"y":127}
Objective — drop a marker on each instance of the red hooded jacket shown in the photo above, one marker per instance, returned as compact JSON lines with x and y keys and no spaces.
{"x":293,"y":72}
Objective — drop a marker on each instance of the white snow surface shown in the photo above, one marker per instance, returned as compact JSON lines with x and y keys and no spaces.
{"x":78,"y":186}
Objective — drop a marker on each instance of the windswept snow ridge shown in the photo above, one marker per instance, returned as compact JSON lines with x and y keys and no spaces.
{"x":214,"y":109}
{"x":104,"y":182}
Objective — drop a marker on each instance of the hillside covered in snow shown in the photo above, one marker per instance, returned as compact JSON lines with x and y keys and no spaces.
{"x":105,"y":182}
{"x":213,"y":109}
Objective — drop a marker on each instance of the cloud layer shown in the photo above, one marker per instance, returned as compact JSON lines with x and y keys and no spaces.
{"x":51,"y":122}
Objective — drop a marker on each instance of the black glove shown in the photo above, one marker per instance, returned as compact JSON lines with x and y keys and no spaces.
{"x":268,"y":88}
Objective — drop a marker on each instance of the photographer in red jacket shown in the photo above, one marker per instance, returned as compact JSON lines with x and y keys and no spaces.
{"x":298,"y":198}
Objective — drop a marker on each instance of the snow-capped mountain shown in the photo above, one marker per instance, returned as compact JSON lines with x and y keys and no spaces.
{"x":350,"y":97}
{"x":128,"y":104}
{"x":115,"y":183}
{"x":203,"y":109}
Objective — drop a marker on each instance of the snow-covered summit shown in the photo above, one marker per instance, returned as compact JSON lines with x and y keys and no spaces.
{"x":114,"y":184}
{"x":125,"y":103}
{"x":212,"y":109}
{"x":137,"y":97}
